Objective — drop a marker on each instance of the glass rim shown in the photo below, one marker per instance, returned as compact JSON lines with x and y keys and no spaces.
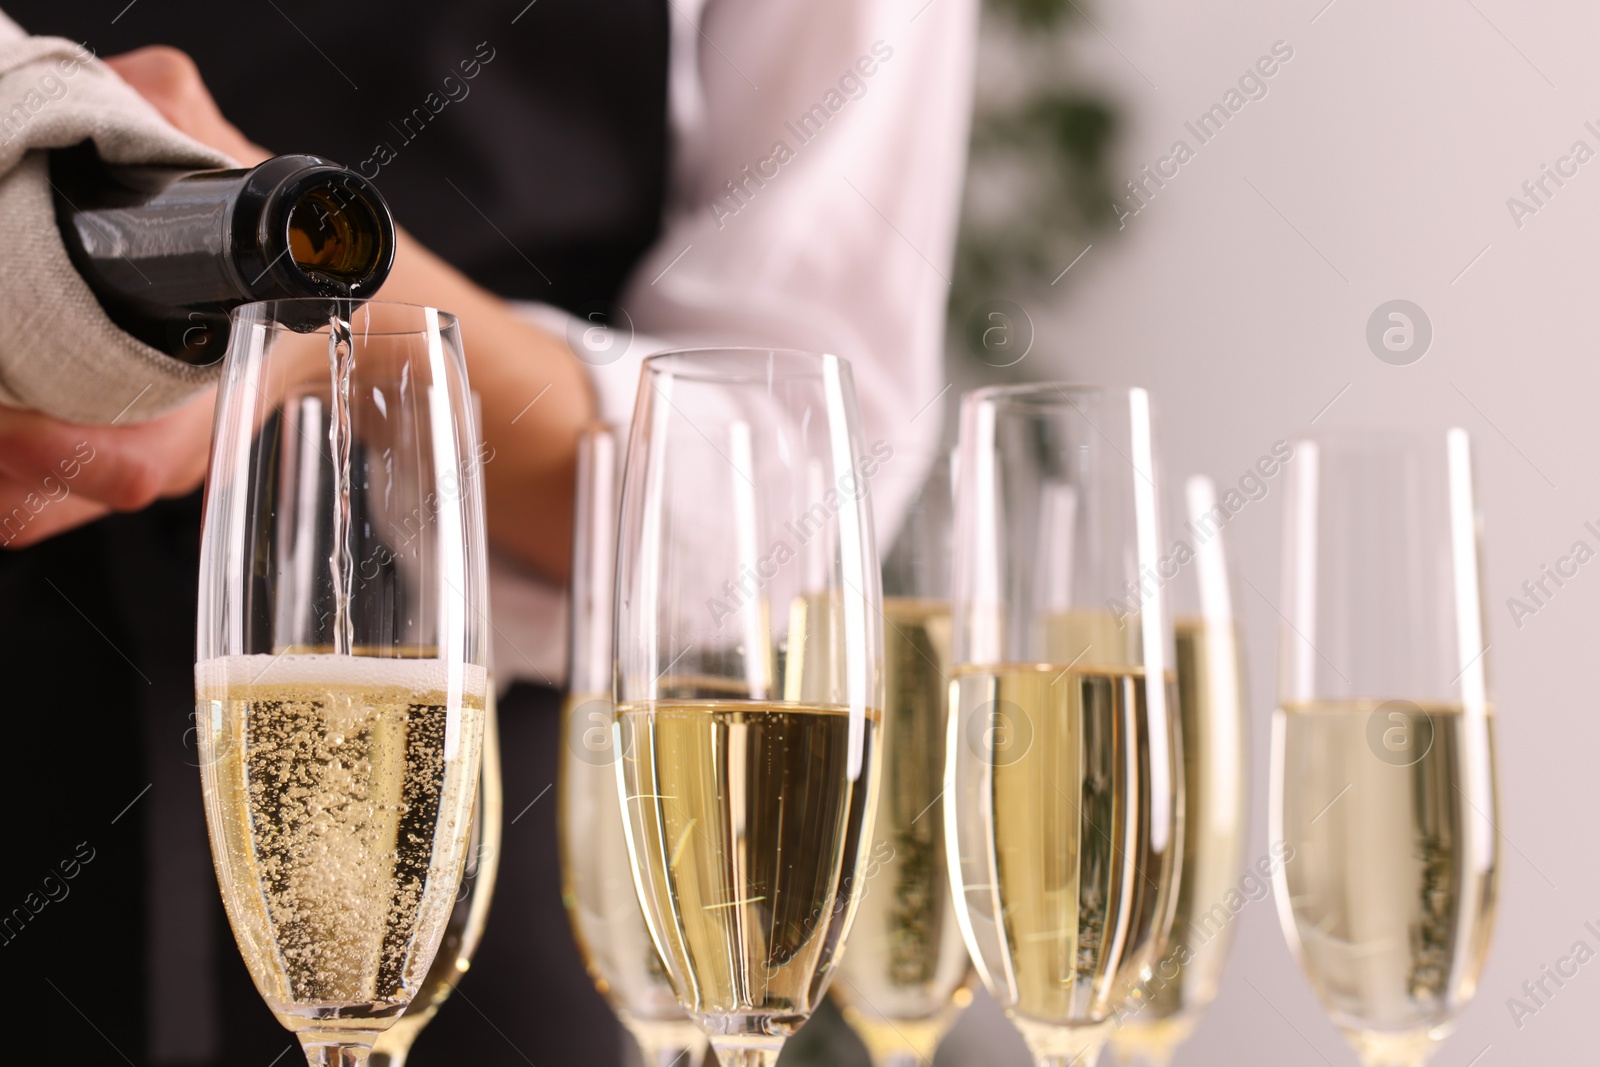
{"x":1374,"y":439}
{"x":1044,"y":394}
{"x":447,"y":319}
{"x":683,"y":363}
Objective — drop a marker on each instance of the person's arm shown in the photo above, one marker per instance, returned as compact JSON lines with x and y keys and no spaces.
{"x":535,"y":398}
{"x":534,"y":393}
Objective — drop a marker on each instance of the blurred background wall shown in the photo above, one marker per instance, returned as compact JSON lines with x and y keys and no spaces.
{"x":1377,"y":166}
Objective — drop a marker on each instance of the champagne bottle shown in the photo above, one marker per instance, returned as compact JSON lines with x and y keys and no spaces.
{"x":169,"y":252}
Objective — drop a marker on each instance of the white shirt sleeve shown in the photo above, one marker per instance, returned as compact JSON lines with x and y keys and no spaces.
{"x":818,"y":154}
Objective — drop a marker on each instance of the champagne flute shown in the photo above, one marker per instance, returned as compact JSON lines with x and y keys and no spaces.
{"x":748,"y":681}
{"x":465,"y":927}
{"x":1160,"y":1013}
{"x":906,"y":975}
{"x":1063,"y":786}
{"x":471,"y":911}
{"x":597,"y":883}
{"x":341,"y":681}
{"x":1383,"y":781}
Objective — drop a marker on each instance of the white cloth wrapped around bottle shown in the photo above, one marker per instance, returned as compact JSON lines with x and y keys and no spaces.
{"x":59,"y":352}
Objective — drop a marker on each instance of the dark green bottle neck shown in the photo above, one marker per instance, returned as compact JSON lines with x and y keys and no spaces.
{"x":168,"y":253}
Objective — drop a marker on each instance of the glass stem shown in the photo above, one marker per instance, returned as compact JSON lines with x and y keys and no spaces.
{"x":748,"y":1052}
{"x":321,"y":1053}
{"x":662,"y":1054}
{"x":1155,"y":1054}
{"x":902,"y":1059}
{"x":1082,"y":1054}
{"x":1063,"y":1046}
{"x":1406,"y":1049}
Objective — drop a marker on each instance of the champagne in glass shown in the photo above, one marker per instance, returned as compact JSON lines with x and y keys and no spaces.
{"x":1383,"y":756}
{"x":341,"y":682}
{"x":1064,"y":779}
{"x":597,"y":881}
{"x":465,"y":927}
{"x":906,"y":974}
{"x":1159,"y":1013}
{"x":748,"y":681}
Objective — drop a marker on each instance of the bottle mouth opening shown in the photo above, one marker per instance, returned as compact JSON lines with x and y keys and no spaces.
{"x":334,"y":237}
{"x":319,"y":230}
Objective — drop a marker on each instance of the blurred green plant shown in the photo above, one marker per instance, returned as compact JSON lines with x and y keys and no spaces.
{"x":1039,"y":186}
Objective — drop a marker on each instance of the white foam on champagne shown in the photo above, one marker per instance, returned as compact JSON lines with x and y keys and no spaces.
{"x":215,"y":676}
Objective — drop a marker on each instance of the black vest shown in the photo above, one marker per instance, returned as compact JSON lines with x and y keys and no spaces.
{"x":526,"y":144}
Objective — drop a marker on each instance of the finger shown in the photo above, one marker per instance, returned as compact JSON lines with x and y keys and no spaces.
{"x":122,"y":467}
{"x":103,"y":463}
{"x":35,"y":447}
{"x":28,"y":517}
{"x":165,"y":457}
{"x":184,"y":448}
{"x":177,"y":444}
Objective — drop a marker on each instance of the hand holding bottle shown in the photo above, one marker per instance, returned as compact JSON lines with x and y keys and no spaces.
{"x":57,"y":475}
{"x":512,"y":361}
